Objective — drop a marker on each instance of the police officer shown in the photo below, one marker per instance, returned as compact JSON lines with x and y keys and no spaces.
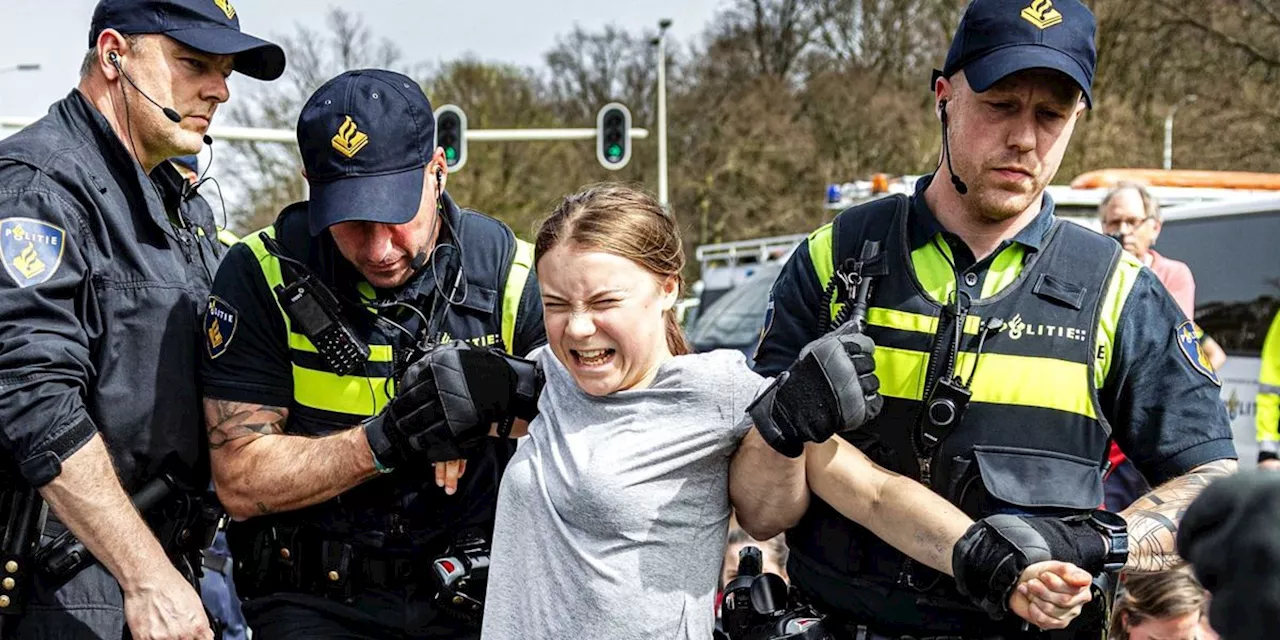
{"x":316,"y":427}
{"x":1268,"y":417}
{"x":106,"y":271}
{"x":1009,"y":347}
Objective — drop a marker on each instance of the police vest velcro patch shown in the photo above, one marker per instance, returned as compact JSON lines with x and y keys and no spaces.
{"x":31,"y":250}
{"x":219,"y":326}
{"x":1194,"y":351}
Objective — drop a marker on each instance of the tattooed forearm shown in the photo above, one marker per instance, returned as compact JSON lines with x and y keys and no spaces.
{"x":1153,"y":519}
{"x":259,"y":469}
{"x":229,"y":421}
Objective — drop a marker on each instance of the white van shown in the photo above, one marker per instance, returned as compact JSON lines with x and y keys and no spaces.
{"x":1233,"y":249}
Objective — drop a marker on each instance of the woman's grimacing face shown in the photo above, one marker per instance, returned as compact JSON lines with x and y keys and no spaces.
{"x":604,"y":317}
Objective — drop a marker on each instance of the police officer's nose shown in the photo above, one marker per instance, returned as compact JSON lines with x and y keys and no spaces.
{"x":1022,"y":135}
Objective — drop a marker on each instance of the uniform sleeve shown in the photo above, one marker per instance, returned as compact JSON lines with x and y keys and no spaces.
{"x":791,"y":321}
{"x":530,"y":332}
{"x":47,"y":312}
{"x":246,"y":357}
{"x":1164,"y":408}
{"x":1268,"y":417}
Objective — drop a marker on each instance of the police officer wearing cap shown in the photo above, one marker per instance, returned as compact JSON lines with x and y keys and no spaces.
{"x":106,"y":272}
{"x":317,"y":421}
{"x":1009,"y":348}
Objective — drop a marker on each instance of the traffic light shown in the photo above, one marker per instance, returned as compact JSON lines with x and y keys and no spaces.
{"x":451,"y":133}
{"x":613,"y":136}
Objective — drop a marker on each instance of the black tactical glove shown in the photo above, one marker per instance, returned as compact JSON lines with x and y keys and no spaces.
{"x":991,"y":556}
{"x":831,"y":388}
{"x":447,"y":401}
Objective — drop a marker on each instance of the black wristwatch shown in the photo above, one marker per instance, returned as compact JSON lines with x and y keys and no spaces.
{"x":1116,"y":532}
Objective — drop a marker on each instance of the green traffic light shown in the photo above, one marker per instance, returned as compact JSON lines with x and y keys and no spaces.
{"x":450,"y":154}
{"x":615,"y":152}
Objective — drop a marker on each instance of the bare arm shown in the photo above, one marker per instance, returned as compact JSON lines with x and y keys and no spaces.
{"x":88,"y":499}
{"x":896,"y":508}
{"x":1153,"y":519}
{"x":258,"y":469}
{"x":767,"y":488}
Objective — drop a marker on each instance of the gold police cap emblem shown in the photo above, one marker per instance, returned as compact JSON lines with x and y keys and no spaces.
{"x":1042,"y":14}
{"x":349,"y":140}
{"x":226,"y":7}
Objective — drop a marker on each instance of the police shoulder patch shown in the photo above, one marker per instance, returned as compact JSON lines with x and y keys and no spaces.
{"x":1194,"y":351}
{"x":219,"y":326}
{"x":31,"y":250}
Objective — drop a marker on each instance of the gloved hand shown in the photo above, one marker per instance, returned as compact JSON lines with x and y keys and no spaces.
{"x":988,"y":560}
{"x":447,"y":401}
{"x":831,"y":388}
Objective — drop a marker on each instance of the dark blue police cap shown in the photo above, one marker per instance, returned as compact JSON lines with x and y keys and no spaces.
{"x":366,"y":137}
{"x":211,"y":26}
{"x":997,"y":38}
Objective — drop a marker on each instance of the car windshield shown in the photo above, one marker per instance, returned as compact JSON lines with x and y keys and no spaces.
{"x":734,"y":321}
{"x":1236,"y":265}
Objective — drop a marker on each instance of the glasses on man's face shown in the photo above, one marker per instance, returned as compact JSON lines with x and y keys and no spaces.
{"x":1124,"y":226}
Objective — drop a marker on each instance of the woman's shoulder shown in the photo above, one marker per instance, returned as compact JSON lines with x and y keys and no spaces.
{"x":718,"y":370}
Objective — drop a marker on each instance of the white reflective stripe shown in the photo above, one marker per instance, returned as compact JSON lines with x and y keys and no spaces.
{"x":1269,"y":446}
{"x":1269,"y":388}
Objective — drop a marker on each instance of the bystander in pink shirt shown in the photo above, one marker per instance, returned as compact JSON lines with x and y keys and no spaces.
{"x":1176,"y":277}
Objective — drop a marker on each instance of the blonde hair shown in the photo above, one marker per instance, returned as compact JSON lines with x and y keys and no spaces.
{"x":625,"y":221}
{"x":1154,"y":596}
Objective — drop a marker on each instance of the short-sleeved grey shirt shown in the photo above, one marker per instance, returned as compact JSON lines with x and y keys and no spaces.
{"x":613,"y":512}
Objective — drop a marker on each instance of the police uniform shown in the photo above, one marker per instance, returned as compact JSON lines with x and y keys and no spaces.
{"x":361,"y":563}
{"x":1268,"y":418}
{"x":1089,"y":349}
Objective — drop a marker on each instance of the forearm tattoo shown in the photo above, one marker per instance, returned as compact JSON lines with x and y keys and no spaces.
{"x":1153,"y":519}
{"x":234,"y":420}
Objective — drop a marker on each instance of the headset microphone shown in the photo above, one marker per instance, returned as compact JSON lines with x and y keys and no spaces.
{"x":956,"y":182}
{"x":168,"y":113}
{"x":419,"y":261}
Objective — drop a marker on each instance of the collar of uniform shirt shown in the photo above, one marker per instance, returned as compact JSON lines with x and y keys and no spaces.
{"x":114,"y":149}
{"x":924,"y":225}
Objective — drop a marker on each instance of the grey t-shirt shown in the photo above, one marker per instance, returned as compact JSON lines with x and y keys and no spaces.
{"x":613,"y":513}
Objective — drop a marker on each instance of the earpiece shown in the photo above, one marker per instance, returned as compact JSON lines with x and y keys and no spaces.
{"x":113,"y":58}
{"x":956,"y":182}
{"x":439,"y":178}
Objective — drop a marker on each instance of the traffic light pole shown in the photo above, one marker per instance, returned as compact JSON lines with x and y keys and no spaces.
{"x":662,"y":112}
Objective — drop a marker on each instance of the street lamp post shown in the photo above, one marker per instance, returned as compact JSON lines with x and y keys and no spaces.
{"x":663,"y":25}
{"x":1168,"y":129}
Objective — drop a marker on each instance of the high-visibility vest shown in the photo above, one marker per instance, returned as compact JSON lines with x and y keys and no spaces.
{"x":1269,"y":394}
{"x":1033,"y":438}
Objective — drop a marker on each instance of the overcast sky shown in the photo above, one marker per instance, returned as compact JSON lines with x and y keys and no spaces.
{"x":54,"y":33}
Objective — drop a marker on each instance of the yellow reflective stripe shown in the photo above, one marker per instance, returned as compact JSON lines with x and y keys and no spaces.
{"x":339,"y":394}
{"x":901,"y":372}
{"x":227,"y":238}
{"x":513,"y":291}
{"x":1001,"y":379}
{"x":1030,"y":382}
{"x":824,"y":266}
{"x":1123,"y":278}
{"x":1268,"y":400}
{"x":934,"y":271}
{"x":1270,"y":373}
{"x":270,"y":267}
{"x":914,"y":322}
{"x":1005,"y":268}
{"x":377,"y":352}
